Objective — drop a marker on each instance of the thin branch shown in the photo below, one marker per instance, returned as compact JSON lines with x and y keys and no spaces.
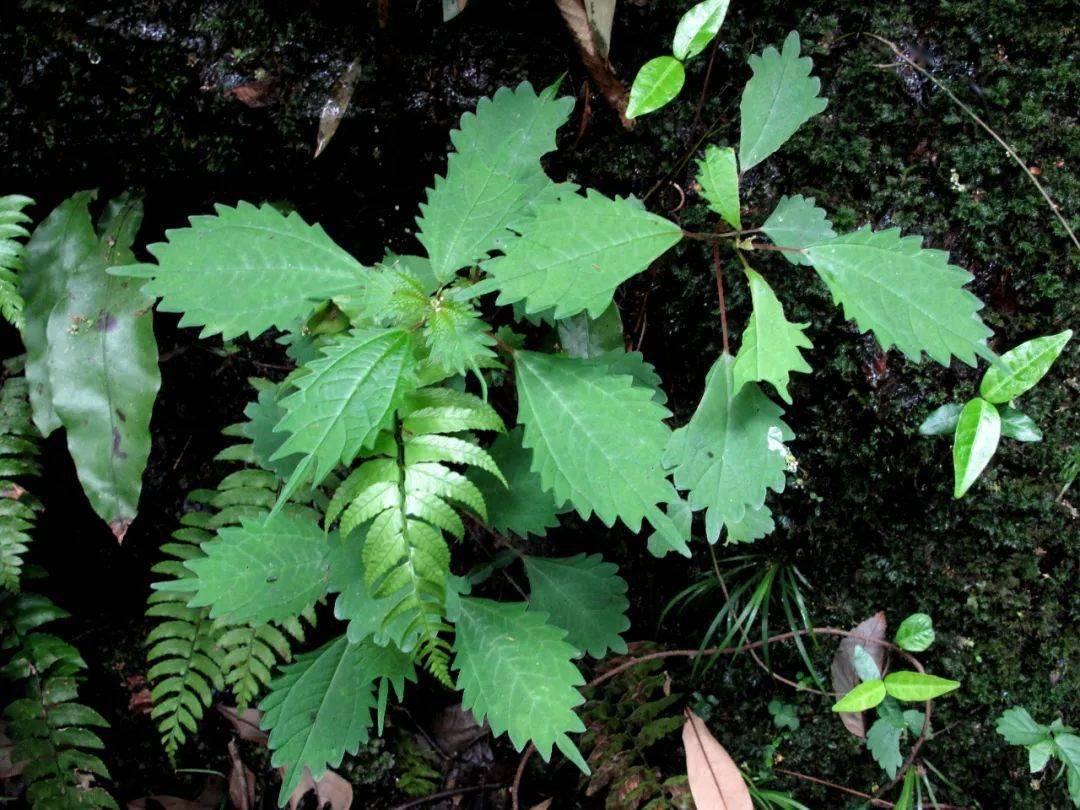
{"x":720,"y":292}
{"x":1011,"y":152}
{"x":446,"y":794}
{"x":852,"y":792}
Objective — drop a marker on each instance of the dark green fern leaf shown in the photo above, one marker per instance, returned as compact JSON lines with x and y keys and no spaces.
{"x":18,"y":451}
{"x":12,"y":220}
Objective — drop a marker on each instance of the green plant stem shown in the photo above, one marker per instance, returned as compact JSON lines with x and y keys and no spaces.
{"x":720,"y":293}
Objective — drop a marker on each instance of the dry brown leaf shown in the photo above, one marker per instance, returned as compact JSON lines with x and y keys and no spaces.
{"x":715,"y":780}
{"x":337,"y":104}
{"x":241,"y":781}
{"x":330,"y":791}
{"x":844,"y":677}
{"x":601,"y":16}
{"x":209,"y":799}
{"x":455,"y":729}
{"x":544,"y":805}
{"x":577,"y":20}
{"x":246,"y":723}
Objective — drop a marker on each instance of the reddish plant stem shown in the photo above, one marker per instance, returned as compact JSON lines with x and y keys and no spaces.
{"x":720,"y":293}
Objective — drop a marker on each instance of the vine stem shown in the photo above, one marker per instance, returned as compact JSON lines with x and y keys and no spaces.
{"x":971,"y":113}
{"x":720,"y":292}
{"x":446,"y":794}
{"x":852,"y":792}
{"x":515,"y":788}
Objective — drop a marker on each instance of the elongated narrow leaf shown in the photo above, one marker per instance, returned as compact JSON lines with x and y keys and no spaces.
{"x":263,"y":570}
{"x":575,"y":252}
{"x":715,"y":780}
{"x":658,"y":81}
{"x":908,"y":296}
{"x":908,"y":685}
{"x":583,"y":595}
{"x":797,"y":223}
{"x":866,"y":695}
{"x":320,"y":706}
{"x":348,"y":396}
{"x":779,"y":98}
{"x":697,"y":28}
{"x":492,"y":178}
{"x":942,"y":421}
{"x":102,"y":360}
{"x":718,"y":176}
{"x":245,"y":269}
{"x":596,"y":439}
{"x":731,"y":452}
{"x":514,"y":669}
{"x":976,"y":439}
{"x":771,"y":343}
{"x":1028,"y":362}
{"x":64,"y":242}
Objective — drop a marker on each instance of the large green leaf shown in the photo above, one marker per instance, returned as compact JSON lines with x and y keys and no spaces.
{"x":771,"y":343}
{"x":12,"y":222}
{"x":907,"y":295}
{"x":596,"y":438}
{"x":779,"y":98}
{"x":797,"y":223}
{"x":63,"y":242}
{"x":718,"y":176}
{"x":245,"y":269}
{"x":1028,"y":363}
{"x":974,"y":443}
{"x":263,"y":570}
{"x":908,"y":685}
{"x":583,"y":595}
{"x":515,"y":669}
{"x":320,"y":706}
{"x":697,"y":27}
{"x":575,"y":252}
{"x":657,"y":82}
{"x":731,"y":452}
{"x":521,"y":506}
{"x":348,"y":395}
{"x":102,"y":360}
{"x":493,"y":178}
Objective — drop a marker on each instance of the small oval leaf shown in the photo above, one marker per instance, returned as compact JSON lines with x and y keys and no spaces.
{"x":977,"y":433}
{"x":915,"y":633}
{"x":865,"y":696}
{"x":1029,"y":363}
{"x":657,"y":83}
{"x":697,"y":28}
{"x":1018,"y":425}
{"x":910,"y":686}
{"x":941,"y":421}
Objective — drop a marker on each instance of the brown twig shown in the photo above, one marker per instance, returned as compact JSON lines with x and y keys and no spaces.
{"x":852,"y":792}
{"x":971,"y":113}
{"x":446,"y":794}
{"x":720,"y":292}
{"x":705,"y":84}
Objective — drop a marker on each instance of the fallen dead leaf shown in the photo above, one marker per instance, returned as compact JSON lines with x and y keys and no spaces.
{"x":715,"y":780}
{"x":210,"y":799}
{"x":613,"y":90}
{"x":330,"y":791}
{"x":241,"y":781}
{"x":337,"y":103}
{"x":245,"y":723}
{"x":844,"y":677}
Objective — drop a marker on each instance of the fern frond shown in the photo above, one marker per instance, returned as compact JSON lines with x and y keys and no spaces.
{"x":12,"y":220}
{"x":434,"y":655}
{"x":18,"y":449}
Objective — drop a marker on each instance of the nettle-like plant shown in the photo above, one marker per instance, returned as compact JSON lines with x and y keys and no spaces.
{"x":378,"y":432}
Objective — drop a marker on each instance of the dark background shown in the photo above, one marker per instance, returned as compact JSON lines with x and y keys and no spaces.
{"x":118,"y":95}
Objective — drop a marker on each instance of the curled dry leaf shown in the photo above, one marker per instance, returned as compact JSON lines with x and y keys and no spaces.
{"x":331,"y":791}
{"x":336,"y":105}
{"x":246,"y":723}
{"x":613,"y":90}
{"x":241,"y":781}
{"x":715,"y":780}
{"x":844,"y":677}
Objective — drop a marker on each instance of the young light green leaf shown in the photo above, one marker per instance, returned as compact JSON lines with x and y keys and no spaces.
{"x":583,"y":336}
{"x":596,"y":439}
{"x":771,"y":343}
{"x":907,"y":685}
{"x":866,"y":695}
{"x":915,"y":633}
{"x":974,"y":442}
{"x":942,"y":421}
{"x":503,"y":652}
{"x":731,"y":452}
{"x":245,"y":269}
{"x":1018,"y":727}
{"x":1028,"y":362}
{"x":1068,"y":746}
{"x":908,"y":296}
{"x":697,"y":28}
{"x":348,"y":396}
{"x":779,"y":98}
{"x":102,"y":359}
{"x":658,"y":81}
{"x":718,"y":176}
{"x":493,"y":178}
{"x":1018,"y":425}
{"x":583,"y":595}
{"x":263,"y":570}
{"x":865,"y":665}
{"x":797,"y":223}
{"x":1039,"y":754}
{"x":574,"y":253}
{"x":320,"y":706}
{"x":907,"y":792}
{"x":883,"y":743}
{"x":457,"y":339}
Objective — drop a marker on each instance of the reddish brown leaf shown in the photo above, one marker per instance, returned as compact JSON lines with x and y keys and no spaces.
{"x":844,"y":677}
{"x":257,"y":93}
{"x":241,"y":781}
{"x":245,"y":723}
{"x":330,"y":791}
{"x":140,"y":702}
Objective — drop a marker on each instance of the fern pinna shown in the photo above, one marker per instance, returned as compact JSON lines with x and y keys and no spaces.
{"x":388,"y":410}
{"x":12,"y":231}
{"x":18,"y":461}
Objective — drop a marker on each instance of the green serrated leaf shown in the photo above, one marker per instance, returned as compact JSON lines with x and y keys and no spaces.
{"x":908,"y":296}
{"x":1018,"y":727}
{"x":12,"y":220}
{"x":697,"y":27}
{"x":583,"y":336}
{"x":907,"y":685}
{"x":771,"y":343}
{"x":779,"y":98}
{"x":502,"y":653}
{"x":1018,"y":425}
{"x":865,"y":695}
{"x":883,"y":743}
{"x":493,"y":178}
{"x":574,"y":253}
{"x":797,"y":223}
{"x":263,"y":415}
{"x":915,"y":633}
{"x":718,"y":176}
{"x":657,"y":82}
{"x":976,"y":439}
{"x":1028,"y":363}
{"x":457,"y":339}
{"x":246,"y":269}
{"x":1039,"y":754}
{"x":755,"y":524}
{"x":583,"y":595}
{"x":942,"y":420}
